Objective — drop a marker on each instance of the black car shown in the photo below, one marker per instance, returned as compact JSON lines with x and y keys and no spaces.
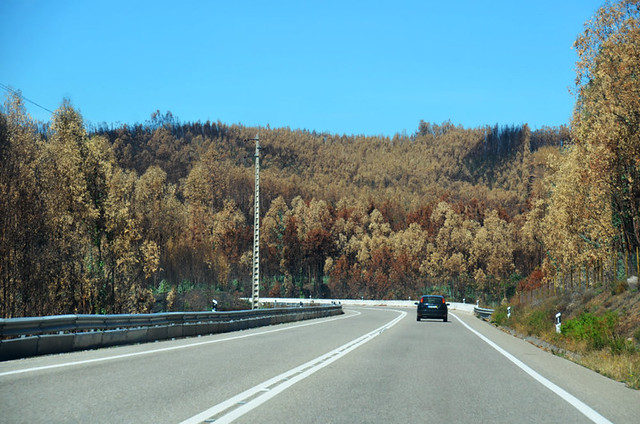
{"x":432,"y":306}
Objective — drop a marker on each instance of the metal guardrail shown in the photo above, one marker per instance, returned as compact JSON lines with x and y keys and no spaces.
{"x":483,"y":313}
{"x":24,"y":337}
{"x":75,"y":323}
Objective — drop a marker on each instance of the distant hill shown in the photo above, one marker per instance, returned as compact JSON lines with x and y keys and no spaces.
{"x":436,"y":161}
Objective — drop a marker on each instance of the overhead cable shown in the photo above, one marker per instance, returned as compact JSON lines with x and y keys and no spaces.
{"x":11,"y":90}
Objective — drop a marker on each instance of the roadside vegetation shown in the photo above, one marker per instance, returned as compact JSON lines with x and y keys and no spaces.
{"x":600,"y":329}
{"x":187,"y":296}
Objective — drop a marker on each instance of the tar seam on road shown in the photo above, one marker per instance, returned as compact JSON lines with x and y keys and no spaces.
{"x":585,"y":409}
{"x":167,"y":349}
{"x":235,"y":407}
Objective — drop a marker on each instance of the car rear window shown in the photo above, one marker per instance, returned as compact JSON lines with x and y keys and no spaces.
{"x":432,"y":300}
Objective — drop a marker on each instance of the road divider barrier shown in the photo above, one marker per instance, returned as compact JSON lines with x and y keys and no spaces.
{"x":26,"y":337}
{"x":483,"y":313}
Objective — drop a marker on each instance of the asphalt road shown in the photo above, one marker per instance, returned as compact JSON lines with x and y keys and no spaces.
{"x":371,"y":365}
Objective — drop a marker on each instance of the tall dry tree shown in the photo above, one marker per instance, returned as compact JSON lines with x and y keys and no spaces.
{"x":606,"y":121}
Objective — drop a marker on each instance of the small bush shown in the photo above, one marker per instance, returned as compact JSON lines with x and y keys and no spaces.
{"x":598,"y":332}
{"x":620,"y":287}
{"x":171,"y":299}
{"x":163,"y":287}
{"x":186,"y":286}
{"x":539,"y":322}
{"x":499,"y":316}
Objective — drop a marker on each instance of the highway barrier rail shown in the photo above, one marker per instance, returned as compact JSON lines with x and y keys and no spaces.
{"x":483,"y":313}
{"x":25,"y":337}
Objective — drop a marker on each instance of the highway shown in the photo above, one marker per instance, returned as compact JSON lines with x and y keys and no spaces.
{"x":370,"y":365}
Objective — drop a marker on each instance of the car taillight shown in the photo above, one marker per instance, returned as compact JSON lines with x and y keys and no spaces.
{"x":443,"y":300}
{"x":422,"y":300}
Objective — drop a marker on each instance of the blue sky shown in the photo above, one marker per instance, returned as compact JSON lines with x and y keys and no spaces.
{"x":359,"y":67}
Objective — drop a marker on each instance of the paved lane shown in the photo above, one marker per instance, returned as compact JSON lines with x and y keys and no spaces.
{"x":166,"y":381}
{"x":370,"y":365}
{"x":420,"y":372}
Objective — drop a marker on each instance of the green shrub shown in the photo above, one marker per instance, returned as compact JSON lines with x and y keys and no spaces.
{"x":185,"y":286}
{"x":163,"y":287}
{"x":499,"y":316}
{"x":597,"y":331}
{"x":539,"y":322}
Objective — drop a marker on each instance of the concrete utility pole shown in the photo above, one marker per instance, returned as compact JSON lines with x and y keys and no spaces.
{"x":255,"y":298}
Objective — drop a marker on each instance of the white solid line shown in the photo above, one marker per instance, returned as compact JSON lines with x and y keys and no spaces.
{"x":286,"y":379}
{"x":167,"y":349}
{"x":568,"y":397}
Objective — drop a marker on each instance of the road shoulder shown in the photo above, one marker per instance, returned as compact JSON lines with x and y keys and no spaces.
{"x":610,"y":398}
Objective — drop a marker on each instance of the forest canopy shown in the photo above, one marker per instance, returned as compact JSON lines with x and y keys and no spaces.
{"x":96,"y":220}
{"x":100,"y":219}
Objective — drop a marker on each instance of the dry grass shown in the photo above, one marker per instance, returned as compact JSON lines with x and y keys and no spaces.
{"x":623,"y":367}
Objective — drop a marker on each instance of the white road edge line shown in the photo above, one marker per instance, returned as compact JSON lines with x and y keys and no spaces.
{"x":585,"y":409}
{"x":285,"y":380}
{"x":167,"y":349}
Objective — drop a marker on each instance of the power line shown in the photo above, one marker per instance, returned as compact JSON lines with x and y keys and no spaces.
{"x":11,"y":90}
